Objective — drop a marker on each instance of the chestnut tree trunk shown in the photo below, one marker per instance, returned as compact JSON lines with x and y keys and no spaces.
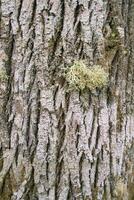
{"x":57,"y":144}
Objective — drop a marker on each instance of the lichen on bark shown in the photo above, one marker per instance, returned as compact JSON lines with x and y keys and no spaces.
{"x":60,"y":145}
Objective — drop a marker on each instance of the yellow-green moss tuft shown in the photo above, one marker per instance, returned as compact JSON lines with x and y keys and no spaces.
{"x":80,"y":77}
{"x":3,"y":75}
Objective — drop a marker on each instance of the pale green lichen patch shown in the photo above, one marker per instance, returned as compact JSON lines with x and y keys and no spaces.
{"x":79,"y":76}
{"x":3,"y":75}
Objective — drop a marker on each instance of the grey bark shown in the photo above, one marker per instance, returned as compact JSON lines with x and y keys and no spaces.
{"x":61,"y":145}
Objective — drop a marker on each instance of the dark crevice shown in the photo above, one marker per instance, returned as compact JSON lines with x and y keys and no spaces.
{"x":36,"y":128}
{"x":130,"y":68}
{"x":81,"y":54}
{"x":110,"y":156}
{"x":97,"y":137}
{"x":47,"y":160}
{"x":27,"y":136}
{"x":19,"y":13}
{"x":8,"y":97}
{"x":96,"y":172}
{"x":30,"y":45}
{"x":117,"y":76}
{"x":89,"y":4}
{"x":33,"y":13}
{"x":120,"y":117}
{"x":76,"y":12}
{"x":1,"y":159}
{"x":54,"y":96}
{"x":92,"y":128}
{"x":78,"y":30}
{"x":113,"y":79}
{"x":17,"y":151}
{"x":78,"y":137}
{"x":31,"y":55}
{"x":8,"y":66}
{"x":9,"y":128}
{"x":105,"y":192}
{"x":31,"y":84}
{"x":33,"y":70}
{"x":90,"y":16}
{"x":80,"y":173}
{"x":67,"y":98}
{"x":70,"y":192}
{"x":19,"y":9}
{"x":59,"y":157}
{"x":102,"y":152}
{"x":43,"y":24}
{"x":59,"y":173}
{"x":79,"y":8}
{"x":38,"y":116}
{"x":57,"y":35}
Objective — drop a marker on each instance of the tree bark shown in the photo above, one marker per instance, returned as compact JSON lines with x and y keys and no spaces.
{"x":61,"y":145}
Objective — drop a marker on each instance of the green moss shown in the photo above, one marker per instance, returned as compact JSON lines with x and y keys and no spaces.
{"x":79,"y":76}
{"x":113,"y":40}
{"x":3,"y":75}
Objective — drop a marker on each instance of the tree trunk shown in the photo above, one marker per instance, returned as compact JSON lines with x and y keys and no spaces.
{"x":57,"y":144}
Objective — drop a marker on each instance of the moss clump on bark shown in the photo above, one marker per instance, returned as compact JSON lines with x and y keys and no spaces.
{"x":3,"y":75}
{"x":113,"y":40}
{"x":79,"y":76}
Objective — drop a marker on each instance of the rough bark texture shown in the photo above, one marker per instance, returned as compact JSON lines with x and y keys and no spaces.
{"x":61,"y":145}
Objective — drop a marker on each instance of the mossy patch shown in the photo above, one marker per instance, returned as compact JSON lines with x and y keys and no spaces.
{"x":79,"y":76}
{"x":3,"y":75}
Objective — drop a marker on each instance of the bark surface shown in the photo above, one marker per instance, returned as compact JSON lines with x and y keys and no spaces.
{"x":61,"y":145}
